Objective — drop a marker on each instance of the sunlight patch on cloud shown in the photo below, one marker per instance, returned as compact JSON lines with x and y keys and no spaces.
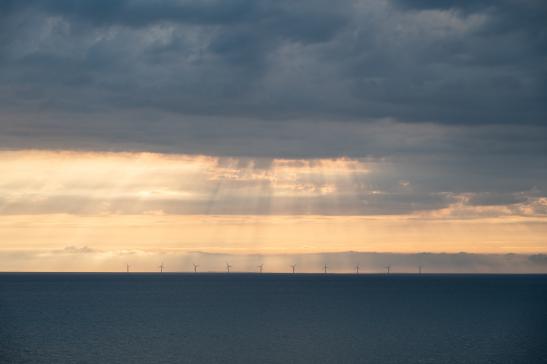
{"x":73,"y":182}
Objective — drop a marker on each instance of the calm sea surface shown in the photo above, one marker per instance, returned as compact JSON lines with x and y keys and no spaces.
{"x":272,"y":318}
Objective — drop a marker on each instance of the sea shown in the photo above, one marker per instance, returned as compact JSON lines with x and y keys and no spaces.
{"x":272,"y":318}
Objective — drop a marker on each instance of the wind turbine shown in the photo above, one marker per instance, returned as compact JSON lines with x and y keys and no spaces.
{"x":195,"y":267}
{"x":228,"y":266}
{"x":293,"y":266}
{"x":325,"y":268}
{"x":127,"y":268}
{"x":260,"y":267}
{"x":388,"y":268}
{"x":357,"y":269}
{"x":161,"y":267}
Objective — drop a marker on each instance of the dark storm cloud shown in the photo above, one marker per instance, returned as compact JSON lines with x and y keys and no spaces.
{"x":283,"y":17}
{"x":447,"y":62}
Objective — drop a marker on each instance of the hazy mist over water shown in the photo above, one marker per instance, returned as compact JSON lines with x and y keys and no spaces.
{"x":272,"y":318}
{"x":81,"y":259}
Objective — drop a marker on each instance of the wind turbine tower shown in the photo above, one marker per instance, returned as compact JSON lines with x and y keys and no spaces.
{"x":161,"y":267}
{"x":388,"y":268}
{"x":195,"y":267}
{"x":357,"y":269}
{"x":325,"y":268}
{"x":228,"y":266}
{"x":293,"y":267}
{"x":260,"y":267}
{"x":127,"y":268}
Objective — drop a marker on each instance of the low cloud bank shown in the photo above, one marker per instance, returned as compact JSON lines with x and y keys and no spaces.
{"x":87,"y":259}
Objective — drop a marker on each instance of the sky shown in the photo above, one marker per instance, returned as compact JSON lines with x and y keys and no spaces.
{"x":250,"y":130}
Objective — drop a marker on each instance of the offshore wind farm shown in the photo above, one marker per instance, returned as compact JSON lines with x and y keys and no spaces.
{"x":229,"y":268}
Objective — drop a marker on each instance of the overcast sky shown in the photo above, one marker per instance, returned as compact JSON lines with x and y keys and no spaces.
{"x":204,"y":76}
{"x":316,"y":107}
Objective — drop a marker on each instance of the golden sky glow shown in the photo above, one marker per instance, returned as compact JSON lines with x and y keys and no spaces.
{"x":153,"y":202}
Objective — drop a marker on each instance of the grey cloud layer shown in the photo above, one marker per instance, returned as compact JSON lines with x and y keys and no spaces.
{"x":412,"y":60}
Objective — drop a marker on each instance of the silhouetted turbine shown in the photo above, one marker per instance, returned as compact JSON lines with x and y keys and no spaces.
{"x":195,"y":267}
{"x":293,"y":267}
{"x":127,"y":268}
{"x":325,"y":268}
{"x":260,"y":267}
{"x":228,"y":266}
{"x":388,"y":268}
{"x":357,"y":269}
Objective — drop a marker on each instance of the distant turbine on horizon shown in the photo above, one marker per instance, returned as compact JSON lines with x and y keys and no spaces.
{"x":388,"y":268}
{"x":127,"y":268}
{"x":260,"y":267}
{"x":325,"y":268}
{"x":293,"y":266}
{"x":161,"y":267}
{"x":228,"y":266}
{"x":195,"y":267}
{"x":357,"y":269}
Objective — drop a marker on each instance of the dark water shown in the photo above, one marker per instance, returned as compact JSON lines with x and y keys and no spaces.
{"x":248,"y":318}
